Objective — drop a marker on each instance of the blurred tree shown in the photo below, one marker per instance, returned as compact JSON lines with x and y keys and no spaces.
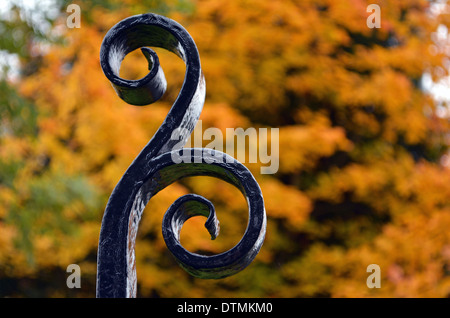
{"x":360,"y":178}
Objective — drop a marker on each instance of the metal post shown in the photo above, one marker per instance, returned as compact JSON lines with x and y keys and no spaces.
{"x":154,"y":168}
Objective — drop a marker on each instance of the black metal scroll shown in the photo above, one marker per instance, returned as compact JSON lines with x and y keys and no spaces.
{"x":154,"y":168}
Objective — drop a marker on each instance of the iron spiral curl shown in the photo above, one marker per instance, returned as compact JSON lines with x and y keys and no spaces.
{"x":154,"y":168}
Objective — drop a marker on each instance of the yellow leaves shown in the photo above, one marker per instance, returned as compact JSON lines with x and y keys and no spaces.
{"x":221,"y":116}
{"x":414,"y":247}
{"x":13,"y":147}
{"x":349,"y":14}
{"x":6,"y":241}
{"x":365,"y":182}
{"x":70,"y":249}
{"x":286,"y":203}
{"x":431,"y":186}
{"x":312,"y":275}
{"x":157,"y":206}
{"x":149,"y":273}
{"x":411,"y":256}
{"x":134,"y":66}
{"x":302,"y":146}
{"x":407,"y":57}
{"x":342,"y":99}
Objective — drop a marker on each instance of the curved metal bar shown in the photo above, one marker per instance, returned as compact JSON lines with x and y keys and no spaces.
{"x":154,"y":168}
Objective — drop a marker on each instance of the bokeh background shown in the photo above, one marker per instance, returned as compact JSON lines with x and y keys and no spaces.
{"x":363,"y":148}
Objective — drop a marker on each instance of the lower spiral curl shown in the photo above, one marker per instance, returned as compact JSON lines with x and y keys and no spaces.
{"x":154,"y":168}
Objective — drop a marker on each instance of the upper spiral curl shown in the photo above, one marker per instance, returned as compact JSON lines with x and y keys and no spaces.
{"x":153,"y":169}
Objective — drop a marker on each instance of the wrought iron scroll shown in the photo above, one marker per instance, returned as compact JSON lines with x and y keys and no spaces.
{"x":154,"y":168}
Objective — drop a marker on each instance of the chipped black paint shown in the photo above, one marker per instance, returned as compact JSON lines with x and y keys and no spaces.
{"x":153,"y":169}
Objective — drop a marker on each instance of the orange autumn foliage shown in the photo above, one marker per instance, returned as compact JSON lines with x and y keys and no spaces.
{"x":359,"y":182}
